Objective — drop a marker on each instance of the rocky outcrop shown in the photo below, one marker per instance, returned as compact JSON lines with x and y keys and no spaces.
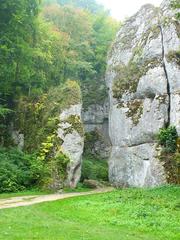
{"x":71,"y":132}
{"x":144,"y":92}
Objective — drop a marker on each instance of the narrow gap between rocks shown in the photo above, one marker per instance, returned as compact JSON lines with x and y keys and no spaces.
{"x":167,"y":78}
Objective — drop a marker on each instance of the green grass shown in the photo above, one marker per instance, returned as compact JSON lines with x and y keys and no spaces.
{"x":80,"y":188}
{"x":23,"y":193}
{"x":128,"y":214}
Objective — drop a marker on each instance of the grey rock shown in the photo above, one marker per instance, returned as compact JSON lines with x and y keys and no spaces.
{"x":135,"y":166}
{"x":147,"y":40}
{"x":95,"y":119}
{"x":18,"y":139}
{"x":73,"y":143}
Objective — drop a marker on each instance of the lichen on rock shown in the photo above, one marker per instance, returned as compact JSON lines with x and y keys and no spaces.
{"x":127,"y":77}
{"x":135,"y":110}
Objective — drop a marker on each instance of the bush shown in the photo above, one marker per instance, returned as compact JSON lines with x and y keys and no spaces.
{"x":18,"y":170}
{"x":170,"y":155}
{"x":94,"y":168}
{"x":167,"y":137}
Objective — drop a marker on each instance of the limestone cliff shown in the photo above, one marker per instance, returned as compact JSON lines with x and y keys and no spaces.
{"x":143,"y":78}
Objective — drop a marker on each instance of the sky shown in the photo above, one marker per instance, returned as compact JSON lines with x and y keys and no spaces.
{"x":120,"y":9}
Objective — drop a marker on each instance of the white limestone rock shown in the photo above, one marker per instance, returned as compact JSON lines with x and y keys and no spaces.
{"x":136,"y":166}
{"x":71,"y":132}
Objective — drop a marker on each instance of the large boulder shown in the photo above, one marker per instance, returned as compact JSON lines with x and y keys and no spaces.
{"x":144,"y":90}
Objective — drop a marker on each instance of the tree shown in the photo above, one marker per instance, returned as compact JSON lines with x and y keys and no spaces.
{"x":176,"y":5}
{"x":89,"y":5}
{"x":76,"y":24}
{"x":104,"y":28}
{"x":17,"y":38}
{"x":90,"y":36}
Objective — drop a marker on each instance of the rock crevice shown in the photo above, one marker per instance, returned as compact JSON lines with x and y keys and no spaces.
{"x":167,"y":78}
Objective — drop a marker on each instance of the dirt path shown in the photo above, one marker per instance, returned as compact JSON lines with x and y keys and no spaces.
{"x":30,"y":200}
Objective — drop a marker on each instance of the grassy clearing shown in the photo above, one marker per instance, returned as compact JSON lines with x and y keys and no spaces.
{"x":80,"y":188}
{"x":128,"y":214}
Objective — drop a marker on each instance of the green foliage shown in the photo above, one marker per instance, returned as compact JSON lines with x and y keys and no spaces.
{"x":76,"y":123}
{"x":167,"y":137}
{"x":17,"y":37}
{"x":54,"y":160}
{"x":38,"y":119}
{"x":94,"y":168}
{"x":4,"y":111}
{"x":90,"y":36}
{"x":33,"y":52}
{"x":91,"y":138}
{"x":18,"y":170}
{"x":43,"y":50}
{"x":40,"y":49}
{"x":176,"y":5}
{"x":89,"y":5}
{"x":170,"y":155}
{"x":171,"y":163}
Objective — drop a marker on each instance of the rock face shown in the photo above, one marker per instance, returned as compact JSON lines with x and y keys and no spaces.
{"x":71,"y":132}
{"x":143,"y":78}
{"x":95,"y":119}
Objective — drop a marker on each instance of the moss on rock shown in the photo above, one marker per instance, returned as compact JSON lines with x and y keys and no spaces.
{"x":170,"y":153}
{"x":127,"y":77}
{"x":152,"y":33}
{"x":135,"y":110}
{"x":76,"y":124}
{"x":174,"y":56}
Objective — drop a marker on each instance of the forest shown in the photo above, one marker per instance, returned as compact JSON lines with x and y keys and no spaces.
{"x":44,"y":44}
